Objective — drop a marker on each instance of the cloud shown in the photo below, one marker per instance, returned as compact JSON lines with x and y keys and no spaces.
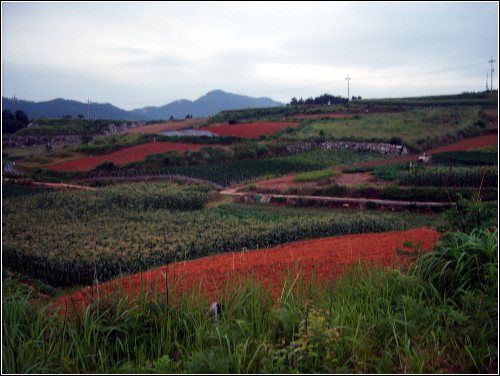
{"x":135,"y":52}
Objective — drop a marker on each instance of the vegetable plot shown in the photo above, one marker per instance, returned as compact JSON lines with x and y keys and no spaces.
{"x":325,"y":257}
{"x":135,"y":153}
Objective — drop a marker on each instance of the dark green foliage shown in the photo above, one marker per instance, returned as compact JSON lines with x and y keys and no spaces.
{"x":11,"y":123}
{"x":11,"y":189}
{"x":52,"y":176}
{"x":470,"y":214}
{"x":465,"y":158}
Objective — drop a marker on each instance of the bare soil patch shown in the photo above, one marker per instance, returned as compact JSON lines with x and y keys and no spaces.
{"x":324,"y":258}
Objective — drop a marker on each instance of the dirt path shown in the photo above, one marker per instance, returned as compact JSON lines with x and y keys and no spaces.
{"x":282,"y":183}
{"x":56,"y":186}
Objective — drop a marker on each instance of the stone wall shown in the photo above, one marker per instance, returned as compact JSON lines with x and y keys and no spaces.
{"x":112,"y":128}
{"x":382,"y":148}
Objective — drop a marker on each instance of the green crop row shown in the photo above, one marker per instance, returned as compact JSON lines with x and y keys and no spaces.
{"x":315,"y":175}
{"x":466,"y":158}
{"x":57,"y":237}
{"x":229,"y":173}
{"x":463,"y":177}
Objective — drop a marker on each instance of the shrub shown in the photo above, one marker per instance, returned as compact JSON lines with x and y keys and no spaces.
{"x":469,"y":215}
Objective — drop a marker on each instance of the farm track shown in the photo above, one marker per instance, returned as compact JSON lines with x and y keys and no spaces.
{"x":489,"y":139}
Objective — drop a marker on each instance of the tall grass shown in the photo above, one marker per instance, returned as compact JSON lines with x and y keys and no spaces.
{"x":365,"y":321}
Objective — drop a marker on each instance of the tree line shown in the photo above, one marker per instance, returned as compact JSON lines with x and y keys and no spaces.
{"x":12,"y":122}
{"x":325,"y":99}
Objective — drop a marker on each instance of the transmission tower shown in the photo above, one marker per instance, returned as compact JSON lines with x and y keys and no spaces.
{"x":492,"y":70}
{"x":348,"y":79}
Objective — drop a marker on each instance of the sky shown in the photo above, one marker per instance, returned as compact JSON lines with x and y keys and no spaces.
{"x":138,"y":54}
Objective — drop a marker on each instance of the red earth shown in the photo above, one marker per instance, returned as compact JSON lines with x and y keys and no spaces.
{"x":250,"y":130}
{"x":283,"y":182}
{"x":324,"y":258}
{"x":140,"y":152}
{"x":134,"y":153}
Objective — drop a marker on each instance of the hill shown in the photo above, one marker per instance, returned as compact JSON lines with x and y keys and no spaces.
{"x":210,"y":104}
{"x":213,"y":102}
{"x":58,"y":108}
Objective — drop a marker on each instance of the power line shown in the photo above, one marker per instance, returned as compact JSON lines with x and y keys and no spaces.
{"x":327,"y":83}
{"x":492,"y":70}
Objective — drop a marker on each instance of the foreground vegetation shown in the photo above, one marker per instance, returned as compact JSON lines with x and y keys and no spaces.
{"x":367,"y":321}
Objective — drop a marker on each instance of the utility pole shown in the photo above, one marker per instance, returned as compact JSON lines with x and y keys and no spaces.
{"x":492,"y":70}
{"x":88,"y":109}
{"x":486,"y":80}
{"x":348,"y":79}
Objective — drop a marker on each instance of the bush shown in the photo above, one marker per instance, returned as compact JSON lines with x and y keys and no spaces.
{"x":469,"y":215}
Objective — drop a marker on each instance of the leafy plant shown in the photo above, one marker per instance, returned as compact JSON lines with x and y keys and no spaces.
{"x":461,"y":262}
{"x":469,"y":215}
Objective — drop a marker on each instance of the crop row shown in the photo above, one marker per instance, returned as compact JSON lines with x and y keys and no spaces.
{"x":59,"y":241}
{"x":141,"y":196}
{"x":229,"y":173}
{"x":467,"y":158}
{"x":458,"y":177}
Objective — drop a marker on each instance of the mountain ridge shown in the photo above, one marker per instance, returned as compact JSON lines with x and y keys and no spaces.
{"x":207,"y":105}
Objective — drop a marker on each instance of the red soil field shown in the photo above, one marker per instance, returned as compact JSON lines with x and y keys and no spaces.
{"x":325,"y":257}
{"x":134,"y":153}
{"x":283,"y":182}
{"x":250,"y":130}
{"x":490,"y":139}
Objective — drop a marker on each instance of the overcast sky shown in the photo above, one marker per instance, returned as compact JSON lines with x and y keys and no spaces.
{"x":137,"y":54}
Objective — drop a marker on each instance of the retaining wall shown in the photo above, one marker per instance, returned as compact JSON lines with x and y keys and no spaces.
{"x":382,"y":148}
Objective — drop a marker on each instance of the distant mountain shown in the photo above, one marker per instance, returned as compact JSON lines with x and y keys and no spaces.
{"x":209,"y":104}
{"x":58,"y":108}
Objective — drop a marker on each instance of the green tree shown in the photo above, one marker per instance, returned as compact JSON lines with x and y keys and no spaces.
{"x":22,"y":117}
{"x":11,"y":123}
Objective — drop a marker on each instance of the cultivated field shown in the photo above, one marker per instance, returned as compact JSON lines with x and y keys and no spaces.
{"x":122,"y":157}
{"x":322,"y":259}
{"x":119,"y":278}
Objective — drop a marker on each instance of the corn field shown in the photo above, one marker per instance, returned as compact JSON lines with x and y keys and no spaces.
{"x":58,"y":236}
